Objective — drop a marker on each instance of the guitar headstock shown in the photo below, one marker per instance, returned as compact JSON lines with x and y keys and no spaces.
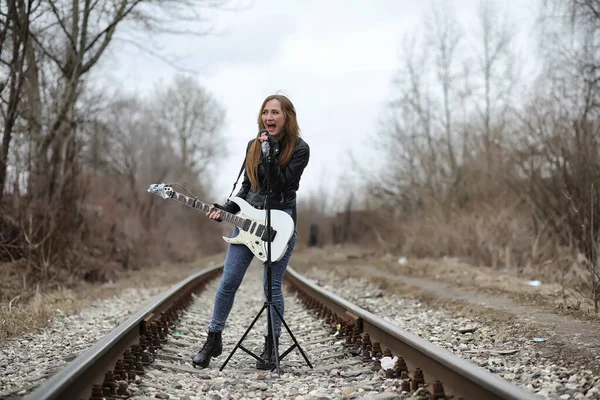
{"x":161,"y":189}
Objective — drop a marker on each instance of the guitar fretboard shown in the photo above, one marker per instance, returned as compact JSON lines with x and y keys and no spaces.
{"x":195,"y":203}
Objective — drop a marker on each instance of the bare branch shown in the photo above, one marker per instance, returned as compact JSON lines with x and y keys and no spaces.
{"x":60,"y":22}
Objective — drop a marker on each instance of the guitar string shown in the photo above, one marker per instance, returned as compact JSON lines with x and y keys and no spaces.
{"x":184,"y":187}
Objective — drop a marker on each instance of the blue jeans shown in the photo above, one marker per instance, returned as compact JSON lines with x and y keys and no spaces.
{"x":236,"y":263}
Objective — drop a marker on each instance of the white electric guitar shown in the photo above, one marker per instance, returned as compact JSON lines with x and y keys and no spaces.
{"x":250,"y":221}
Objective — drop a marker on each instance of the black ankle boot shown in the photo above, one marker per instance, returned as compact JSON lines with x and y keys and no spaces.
{"x":266,"y":362}
{"x":213,"y":347}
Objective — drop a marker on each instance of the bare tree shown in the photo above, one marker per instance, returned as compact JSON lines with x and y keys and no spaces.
{"x":407,"y":136}
{"x":132,"y":153}
{"x":579,"y":48}
{"x":558,"y":147}
{"x":16,"y":27}
{"x":495,"y":66}
{"x":66,"y":40}
{"x":445,"y":38}
{"x":420,"y":136}
{"x":74,"y":35}
{"x":192,"y":122}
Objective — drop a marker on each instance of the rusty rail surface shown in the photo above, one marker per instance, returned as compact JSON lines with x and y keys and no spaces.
{"x":458,"y":376}
{"x":86,"y":375}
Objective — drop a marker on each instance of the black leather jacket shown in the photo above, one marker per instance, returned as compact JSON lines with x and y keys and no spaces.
{"x":284,"y":182}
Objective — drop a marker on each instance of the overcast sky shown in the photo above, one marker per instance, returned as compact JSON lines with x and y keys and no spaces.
{"x":335,"y":59}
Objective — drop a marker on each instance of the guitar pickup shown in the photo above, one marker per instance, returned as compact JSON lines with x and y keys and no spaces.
{"x":246,"y":225}
{"x":265,"y":235}
{"x":260,"y":230}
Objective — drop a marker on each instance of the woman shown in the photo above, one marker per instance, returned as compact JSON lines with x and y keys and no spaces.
{"x":290,"y":156}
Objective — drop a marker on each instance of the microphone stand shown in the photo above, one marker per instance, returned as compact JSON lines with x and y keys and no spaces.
{"x":272,"y":346}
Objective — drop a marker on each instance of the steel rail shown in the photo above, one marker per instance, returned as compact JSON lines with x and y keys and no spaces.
{"x":75,"y":381}
{"x":458,"y":376}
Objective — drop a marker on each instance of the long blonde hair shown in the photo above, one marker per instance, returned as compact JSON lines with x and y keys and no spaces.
{"x":290,"y":135}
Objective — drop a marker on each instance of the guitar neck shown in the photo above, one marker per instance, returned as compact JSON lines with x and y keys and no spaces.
{"x":195,"y":203}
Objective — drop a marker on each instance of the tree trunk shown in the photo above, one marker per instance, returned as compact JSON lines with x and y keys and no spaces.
{"x":38,"y":164}
{"x":18,"y":15}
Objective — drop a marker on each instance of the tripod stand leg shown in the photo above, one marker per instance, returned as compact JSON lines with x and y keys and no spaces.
{"x":243,"y":337}
{"x":273,"y":341}
{"x":293,"y":338}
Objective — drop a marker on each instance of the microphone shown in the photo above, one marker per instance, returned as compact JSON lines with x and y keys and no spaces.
{"x":265,"y":146}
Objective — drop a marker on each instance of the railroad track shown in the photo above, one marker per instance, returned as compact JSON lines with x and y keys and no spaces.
{"x":149,"y":355}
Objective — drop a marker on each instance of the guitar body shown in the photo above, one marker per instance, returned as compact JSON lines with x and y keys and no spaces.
{"x":281,"y":222}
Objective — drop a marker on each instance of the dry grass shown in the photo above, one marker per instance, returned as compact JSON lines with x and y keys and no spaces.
{"x":353,"y":261}
{"x":21,"y":317}
{"x":550,"y":296}
{"x":38,"y":311}
{"x":496,"y":239}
